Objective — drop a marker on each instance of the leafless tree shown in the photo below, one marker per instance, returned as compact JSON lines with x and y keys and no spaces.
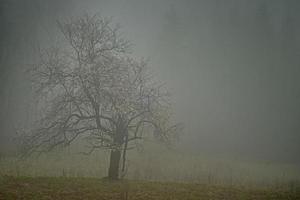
{"x":90,"y":87}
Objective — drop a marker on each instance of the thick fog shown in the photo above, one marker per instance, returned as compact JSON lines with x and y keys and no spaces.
{"x":233,"y":67}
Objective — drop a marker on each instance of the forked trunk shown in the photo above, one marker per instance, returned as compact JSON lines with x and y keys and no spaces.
{"x":113,"y":171}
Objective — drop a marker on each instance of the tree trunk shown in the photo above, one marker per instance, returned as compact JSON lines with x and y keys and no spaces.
{"x":113,"y":172}
{"x":115,"y":154}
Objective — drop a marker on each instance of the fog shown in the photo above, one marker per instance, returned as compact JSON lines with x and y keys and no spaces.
{"x":232,"y":67}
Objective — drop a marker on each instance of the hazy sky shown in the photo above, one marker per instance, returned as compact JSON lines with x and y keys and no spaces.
{"x":232,"y":66}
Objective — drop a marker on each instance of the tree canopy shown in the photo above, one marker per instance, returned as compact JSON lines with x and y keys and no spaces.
{"x":90,"y":86}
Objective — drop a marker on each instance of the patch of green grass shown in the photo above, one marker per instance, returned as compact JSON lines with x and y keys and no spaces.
{"x":91,"y":188}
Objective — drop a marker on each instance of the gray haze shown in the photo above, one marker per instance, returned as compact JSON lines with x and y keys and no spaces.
{"x":232,"y":66}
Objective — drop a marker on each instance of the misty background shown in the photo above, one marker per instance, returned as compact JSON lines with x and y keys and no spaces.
{"x":232,"y":67}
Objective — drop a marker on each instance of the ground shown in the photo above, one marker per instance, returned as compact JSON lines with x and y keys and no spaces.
{"x":91,"y":188}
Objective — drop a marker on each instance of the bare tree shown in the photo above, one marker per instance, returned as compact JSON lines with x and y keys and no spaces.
{"x":91,"y":88}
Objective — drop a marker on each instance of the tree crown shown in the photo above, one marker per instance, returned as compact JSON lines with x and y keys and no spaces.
{"x":92,"y":87}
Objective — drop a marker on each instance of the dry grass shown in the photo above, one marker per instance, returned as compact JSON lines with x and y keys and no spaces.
{"x":91,"y":188}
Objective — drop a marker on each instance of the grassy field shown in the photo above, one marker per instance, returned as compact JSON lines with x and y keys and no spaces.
{"x":92,"y":188}
{"x":158,"y":174}
{"x":158,"y":164}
